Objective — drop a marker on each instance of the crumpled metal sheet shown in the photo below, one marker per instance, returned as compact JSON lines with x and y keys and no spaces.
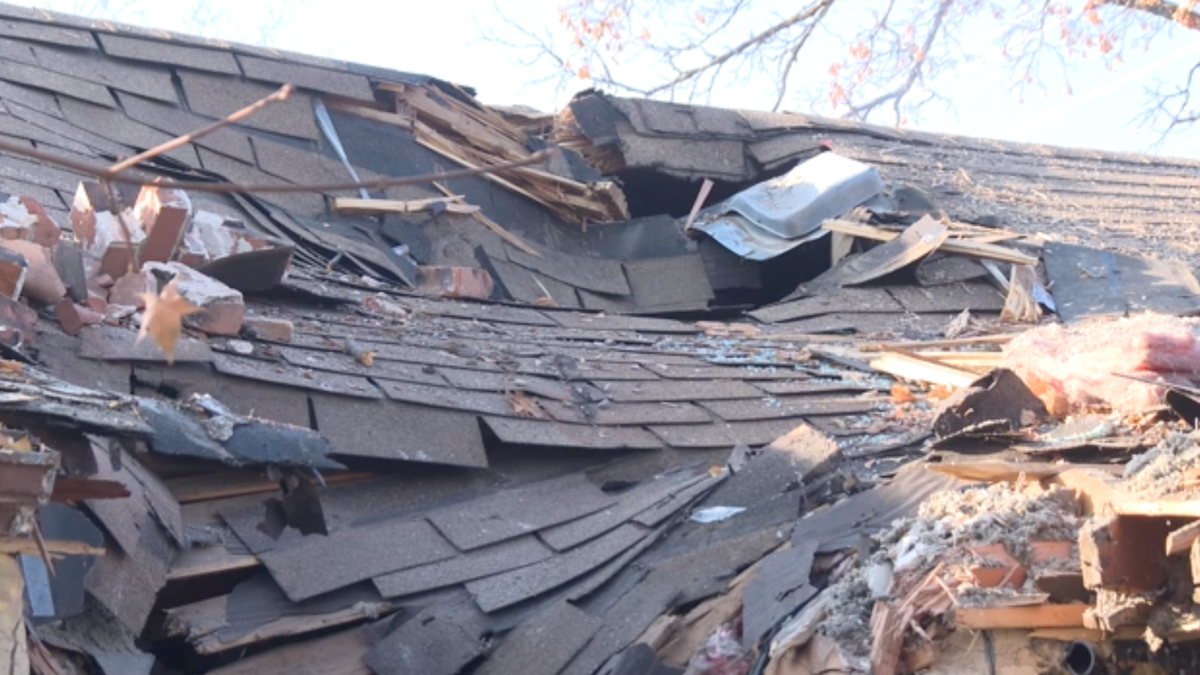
{"x":777,"y":215}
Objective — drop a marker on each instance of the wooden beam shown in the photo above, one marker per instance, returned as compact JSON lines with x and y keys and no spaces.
{"x":1038,"y":616}
{"x":961,"y":246}
{"x":1181,"y":540}
{"x":395,"y":119}
{"x":14,"y":657}
{"x":352,"y":205}
{"x":908,"y":367}
{"x":18,"y":546}
{"x":1168,"y":508}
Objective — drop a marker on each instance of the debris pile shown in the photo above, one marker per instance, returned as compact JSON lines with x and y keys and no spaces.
{"x":364,"y":375}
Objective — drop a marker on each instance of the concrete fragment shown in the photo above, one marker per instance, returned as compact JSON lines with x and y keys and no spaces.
{"x":68,"y":262}
{"x":164,"y":214}
{"x":223,"y":306}
{"x":129,"y":289}
{"x":41,"y":280}
{"x":267,"y":328}
{"x":454,"y":282}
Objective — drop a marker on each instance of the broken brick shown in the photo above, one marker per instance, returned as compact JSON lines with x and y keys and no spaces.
{"x":1124,"y":552}
{"x":1055,"y":554}
{"x":266,"y":328}
{"x":164,"y":214}
{"x":12,"y":273}
{"x":129,"y":289}
{"x":68,"y":317}
{"x":96,"y":302}
{"x":95,"y":224}
{"x":223,"y":307}
{"x":15,"y":315}
{"x":454,"y":282}
{"x":42,"y":282}
{"x":117,"y":260}
{"x":44,"y":232}
{"x":994,"y":567}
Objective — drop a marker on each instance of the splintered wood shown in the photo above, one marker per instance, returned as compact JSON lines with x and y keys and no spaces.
{"x":474,"y":136}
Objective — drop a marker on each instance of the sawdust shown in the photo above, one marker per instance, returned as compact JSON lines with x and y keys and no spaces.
{"x":1163,"y":470}
{"x":849,"y":621}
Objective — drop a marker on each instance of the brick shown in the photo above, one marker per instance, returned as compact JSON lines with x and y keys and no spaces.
{"x":12,"y":273}
{"x":994,"y":567}
{"x":454,"y":282}
{"x":1125,"y":552}
{"x":96,"y":302}
{"x":223,"y":307}
{"x":15,"y":316}
{"x":128,"y":290}
{"x":96,"y":226}
{"x":117,"y":260}
{"x":266,"y":328}
{"x":44,"y":231}
{"x":67,"y":317}
{"x":42,"y":282}
{"x":164,"y":214}
{"x":1058,"y":554}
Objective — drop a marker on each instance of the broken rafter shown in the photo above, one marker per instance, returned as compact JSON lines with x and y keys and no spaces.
{"x":962,"y":246}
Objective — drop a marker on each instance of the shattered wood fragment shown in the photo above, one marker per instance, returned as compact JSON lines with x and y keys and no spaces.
{"x":908,"y":367}
{"x":1117,"y":609}
{"x":14,"y":657}
{"x":1020,"y":305}
{"x":889,"y":625}
{"x":18,"y":546}
{"x":1181,"y":540}
{"x":964,"y":247}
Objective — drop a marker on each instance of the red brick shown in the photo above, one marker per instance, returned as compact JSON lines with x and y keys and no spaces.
{"x":993,"y":566}
{"x":67,"y":317}
{"x":12,"y":273}
{"x":96,"y":302}
{"x":129,"y":289}
{"x":1126,"y":552}
{"x":454,"y":282}
{"x":96,"y":227}
{"x":223,"y":307}
{"x":277,"y":330}
{"x":45,"y":231}
{"x":164,"y":214}
{"x":42,"y":282}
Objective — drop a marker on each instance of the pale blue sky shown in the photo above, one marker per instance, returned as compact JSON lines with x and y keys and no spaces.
{"x":441,"y":39}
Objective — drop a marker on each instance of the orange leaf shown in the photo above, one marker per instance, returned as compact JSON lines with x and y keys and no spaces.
{"x":163,"y":320}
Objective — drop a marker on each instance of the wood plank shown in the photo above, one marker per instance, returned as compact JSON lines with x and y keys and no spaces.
{"x":384,"y":116}
{"x":964,"y":247}
{"x":234,"y":483}
{"x":71,"y":489}
{"x":1182,"y":539}
{"x":338,"y":654}
{"x":351,"y":205}
{"x":939,"y":344}
{"x":909,"y":367}
{"x":993,"y":471}
{"x":206,"y":561}
{"x":18,"y":546}
{"x":13,"y":655}
{"x":1178,"y":509}
{"x":1039,"y":616}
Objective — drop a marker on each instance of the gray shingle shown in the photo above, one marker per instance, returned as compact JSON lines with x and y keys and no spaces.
{"x":43,"y":79}
{"x":482,"y":562}
{"x":319,"y":79}
{"x":216,"y":96}
{"x":150,"y":82}
{"x":156,"y":51}
{"x":517,"y":431}
{"x":42,"y":32}
{"x":177,"y":122}
{"x":115,"y":125}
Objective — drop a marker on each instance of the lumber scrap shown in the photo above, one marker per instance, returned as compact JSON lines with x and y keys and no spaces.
{"x":353,"y":205}
{"x":997,"y":471}
{"x":14,"y":657}
{"x":372,"y":113}
{"x":1181,"y":540}
{"x":961,"y":246}
{"x":1036,"y":616}
{"x":31,"y":547}
{"x":909,"y":367}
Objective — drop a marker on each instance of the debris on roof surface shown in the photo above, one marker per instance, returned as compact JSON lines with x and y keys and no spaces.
{"x":363,"y":378}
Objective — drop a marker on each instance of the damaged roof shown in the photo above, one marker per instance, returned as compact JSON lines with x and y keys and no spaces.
{"x":484,"y":406}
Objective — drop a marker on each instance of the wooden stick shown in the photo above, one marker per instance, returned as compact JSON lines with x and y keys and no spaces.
{"x":962,"y":246}
{"x":352,"y":205}
{"x":18,"y":546}
{"x":908,"y":367}
{"x":940,"y":344}
{"x":705,"y":188}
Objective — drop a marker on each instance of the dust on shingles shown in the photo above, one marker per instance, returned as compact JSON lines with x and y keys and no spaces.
{"x":1163,"y":470}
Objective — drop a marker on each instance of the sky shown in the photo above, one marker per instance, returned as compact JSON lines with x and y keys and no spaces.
{"x":443,"y":39}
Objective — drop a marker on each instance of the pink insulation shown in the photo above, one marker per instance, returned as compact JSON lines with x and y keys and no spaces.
{"x":1073,"y":368}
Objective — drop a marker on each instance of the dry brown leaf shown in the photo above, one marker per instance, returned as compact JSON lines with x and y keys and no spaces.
{"x":902,"y":394}
{"x":11,"y":366}
{"x":524,"y":406}
{"x":163,"y":320}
